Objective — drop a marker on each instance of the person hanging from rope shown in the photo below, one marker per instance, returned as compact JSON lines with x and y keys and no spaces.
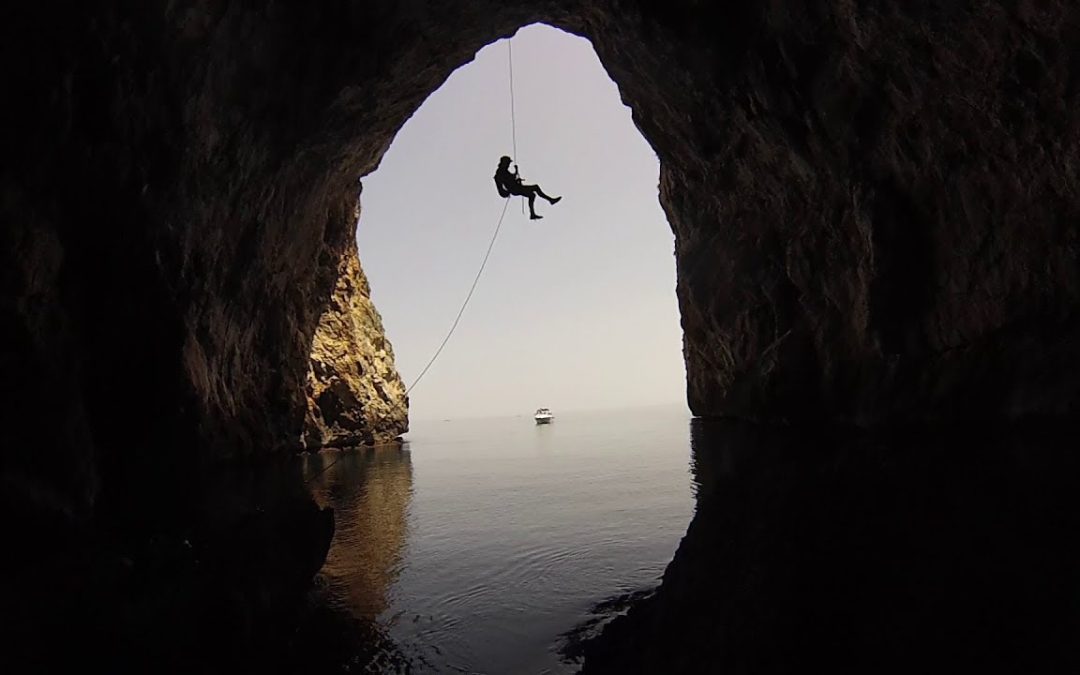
{"x":509,"y":183}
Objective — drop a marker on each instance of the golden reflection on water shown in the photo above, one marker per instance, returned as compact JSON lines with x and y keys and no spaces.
{"x":369,"y":490}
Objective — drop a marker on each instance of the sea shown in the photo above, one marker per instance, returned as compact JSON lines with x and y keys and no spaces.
{"x":494,"y":545}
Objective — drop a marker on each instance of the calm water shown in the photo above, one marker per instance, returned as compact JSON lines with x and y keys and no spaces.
{"x":481,"y":542}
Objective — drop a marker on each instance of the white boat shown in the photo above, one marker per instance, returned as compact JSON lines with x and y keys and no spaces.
{"x":543,"y":416}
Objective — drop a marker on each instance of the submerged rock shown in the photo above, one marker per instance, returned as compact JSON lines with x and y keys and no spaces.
{"x":354,"y":394}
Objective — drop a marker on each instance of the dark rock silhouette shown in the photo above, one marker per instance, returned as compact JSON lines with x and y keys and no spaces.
{"x":874,"y":207}
{"x":219,"y":583}
{"x":814,"y":550}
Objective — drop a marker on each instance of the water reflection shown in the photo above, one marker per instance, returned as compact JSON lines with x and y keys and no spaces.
{"x":369,"y":491}
{"x":936,"y":550}
{"x":496,"y":536}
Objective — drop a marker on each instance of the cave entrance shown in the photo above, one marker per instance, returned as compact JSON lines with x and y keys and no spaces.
{"x":576,"y":311}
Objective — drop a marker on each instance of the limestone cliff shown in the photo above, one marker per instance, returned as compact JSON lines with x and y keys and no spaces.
{"x":354,"y":394}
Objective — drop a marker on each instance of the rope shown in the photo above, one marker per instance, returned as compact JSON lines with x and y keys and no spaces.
{"x":494,"y":235}
{"x":453,"y":326}
{"x":483,"y":263}
{"x":465,"y":304}
{"x":513,"y":118}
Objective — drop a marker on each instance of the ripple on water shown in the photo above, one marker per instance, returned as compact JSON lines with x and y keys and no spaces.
{"x":482,"y":544}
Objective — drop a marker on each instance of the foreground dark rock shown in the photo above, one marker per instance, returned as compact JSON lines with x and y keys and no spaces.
{"x":934,"y":551}
{"x":218,"y":584}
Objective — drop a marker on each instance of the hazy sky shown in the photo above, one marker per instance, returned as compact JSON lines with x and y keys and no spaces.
{"x":573,"y":312}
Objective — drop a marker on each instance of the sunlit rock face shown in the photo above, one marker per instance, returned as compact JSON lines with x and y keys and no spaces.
{"x":873,"y":203}
{"x":354,"y":394}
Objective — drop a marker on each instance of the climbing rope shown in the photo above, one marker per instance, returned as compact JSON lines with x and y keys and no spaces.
{"x":494,"y":235}
{"x":513,"y":117}
{"x":457,"y":319}
{"x":483,"y":263}
{"x":453,"y":326}
{"x":513,"y":120}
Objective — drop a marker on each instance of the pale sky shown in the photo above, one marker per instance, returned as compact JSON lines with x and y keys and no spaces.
{"x":573,"y":312}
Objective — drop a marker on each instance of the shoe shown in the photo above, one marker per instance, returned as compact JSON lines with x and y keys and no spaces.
{"x":535,"y":217}
{"x":555,"y":200}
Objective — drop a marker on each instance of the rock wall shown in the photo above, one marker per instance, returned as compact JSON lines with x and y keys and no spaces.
{"x":810,"y":550}
{"x":354,"y":394}
{"x":874,"y":207}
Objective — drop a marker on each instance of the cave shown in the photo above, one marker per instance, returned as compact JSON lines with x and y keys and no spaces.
{"x":874,"y":208}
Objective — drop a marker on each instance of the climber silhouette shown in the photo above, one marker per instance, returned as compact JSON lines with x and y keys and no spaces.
{"x":509,"y":183}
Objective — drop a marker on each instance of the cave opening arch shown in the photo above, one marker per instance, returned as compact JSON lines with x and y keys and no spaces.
{"x":809,"y":222}
{"x":873,"y":223}
{"x":601,"y":268}
{"x":862,"y":233}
